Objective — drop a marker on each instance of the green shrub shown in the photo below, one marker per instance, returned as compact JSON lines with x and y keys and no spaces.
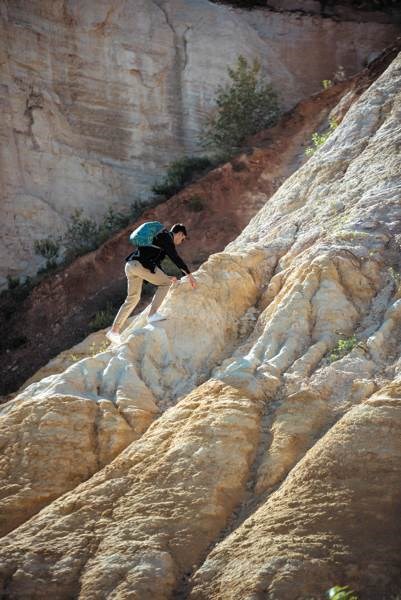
{"x":47,"y":248}
{"x":318,"y":139}
{"x":113,"y":221}
{"x":81,"y":235}
{"x":195,"y":203}
{"x":103,"y":318}
{"x":244,"y":106}
{"x":326,"y":84}
{"x":341,"y":593}
{"x":180,"y":173}
{"x":84,"y":235}
{"x":343,"y":347}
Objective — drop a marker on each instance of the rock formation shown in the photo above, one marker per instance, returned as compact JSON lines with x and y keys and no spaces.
{"x":98,"y":99}
{"x":273,"y":470}
{"x":57,"y":312}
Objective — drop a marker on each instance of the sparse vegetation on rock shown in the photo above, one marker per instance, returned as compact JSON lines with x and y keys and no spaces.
{"x":339,"y":592}
{"x":326,"y":84}
{"x":343,"y":347}
{"x":318,"y":139}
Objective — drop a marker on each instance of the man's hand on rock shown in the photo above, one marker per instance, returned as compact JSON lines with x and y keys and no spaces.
{"x":192,"y":281}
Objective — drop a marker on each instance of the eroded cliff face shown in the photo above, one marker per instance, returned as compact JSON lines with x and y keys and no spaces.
{"x":272,"y":467}
{"x":98,"y":99}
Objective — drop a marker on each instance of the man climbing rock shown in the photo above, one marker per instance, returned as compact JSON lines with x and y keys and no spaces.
{"x":145,"y":264}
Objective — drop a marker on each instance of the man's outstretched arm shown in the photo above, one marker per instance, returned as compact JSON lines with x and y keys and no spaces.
{"x":168,"y":246}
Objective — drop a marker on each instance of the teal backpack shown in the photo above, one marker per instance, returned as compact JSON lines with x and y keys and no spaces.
{"x":144,"y":234}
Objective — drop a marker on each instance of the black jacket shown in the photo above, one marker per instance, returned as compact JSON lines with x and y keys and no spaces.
{"x":151,"y":257}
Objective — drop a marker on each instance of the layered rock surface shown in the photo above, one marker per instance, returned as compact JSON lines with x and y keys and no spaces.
{"x":275,"y":469}
{"x":57,"y":312}
{"x":98,"y":99}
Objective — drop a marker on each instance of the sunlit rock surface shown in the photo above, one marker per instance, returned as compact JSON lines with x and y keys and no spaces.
{"x":274,"y":465}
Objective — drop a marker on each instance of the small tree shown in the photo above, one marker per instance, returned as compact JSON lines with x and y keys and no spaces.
{"x":49,"y":249}
{"x":243,"y":107}
{"x":180,"y":173}
{"x":81,"y":236}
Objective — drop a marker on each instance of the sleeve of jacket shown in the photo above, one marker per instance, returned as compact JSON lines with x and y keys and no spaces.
{"x":169,"y":247}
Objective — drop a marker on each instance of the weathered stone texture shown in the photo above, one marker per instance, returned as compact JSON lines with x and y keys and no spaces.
{"x":273,"y":467}
{"x":98,"y":98}
{"x":335,"y":519}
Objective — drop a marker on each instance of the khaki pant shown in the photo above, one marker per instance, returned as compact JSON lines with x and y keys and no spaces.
{"x":136,"y":273}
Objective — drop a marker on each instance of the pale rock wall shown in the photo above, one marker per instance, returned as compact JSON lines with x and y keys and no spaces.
{"x":273,"y":469}
{"x":98,"y":98}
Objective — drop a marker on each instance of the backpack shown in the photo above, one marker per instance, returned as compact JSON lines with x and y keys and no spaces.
{"x":144,"y":234}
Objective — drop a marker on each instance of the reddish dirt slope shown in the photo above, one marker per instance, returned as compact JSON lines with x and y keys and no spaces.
{"x":57,"y":312}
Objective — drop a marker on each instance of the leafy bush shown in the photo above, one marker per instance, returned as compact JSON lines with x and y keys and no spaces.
{"x":81,"y":235}
{"x":341,"y":593}
{"x":244,"y":106}
{"x":103,"y":318}
{"x":318,"y":139}
{"x":180,"y":173}
{"x":113,"y":221}
{"x":343,"y":347}
{"x":326,"y":84}
{"x":84,"y":235}
{"x":47,"y":247}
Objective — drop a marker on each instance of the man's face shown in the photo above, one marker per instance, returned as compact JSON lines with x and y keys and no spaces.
{"x":179,"y":238}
